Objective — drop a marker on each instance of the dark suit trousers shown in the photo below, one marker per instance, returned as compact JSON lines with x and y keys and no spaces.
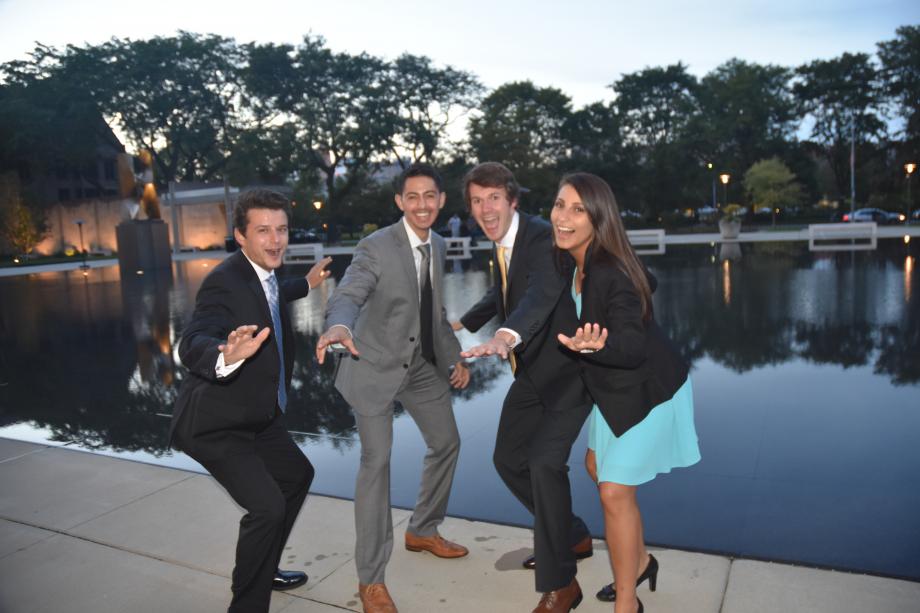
{"x":531,"y":455}
{"x":269,"y":477}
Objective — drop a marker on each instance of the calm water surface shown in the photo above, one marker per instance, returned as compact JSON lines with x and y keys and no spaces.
{"x":806,"y":373}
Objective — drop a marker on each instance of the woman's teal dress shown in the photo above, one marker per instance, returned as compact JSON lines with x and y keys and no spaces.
{"x":665,"y":439}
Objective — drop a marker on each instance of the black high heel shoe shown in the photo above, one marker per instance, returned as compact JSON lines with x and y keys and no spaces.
{"x":608,"y":593}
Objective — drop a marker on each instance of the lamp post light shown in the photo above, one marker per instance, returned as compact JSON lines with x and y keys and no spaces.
{"x":84,"y":266}
{"x":710,"y":167}
{"x":317,"y":204}
{"x":725,"y":178}
{"x":909,"y":168}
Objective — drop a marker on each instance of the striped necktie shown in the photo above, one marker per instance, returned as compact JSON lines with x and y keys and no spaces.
{"x":275,"y":308}
{"x":503,"y":269}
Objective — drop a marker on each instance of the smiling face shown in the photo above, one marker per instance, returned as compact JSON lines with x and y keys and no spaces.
{"x":492,"y":210}
{"x":420,"y":201}
{"x":265,"y":238}
{"x":572,"y":228}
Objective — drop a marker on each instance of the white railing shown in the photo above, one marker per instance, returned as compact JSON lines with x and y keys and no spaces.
{"x":858,"y":236}
{"x":458,"y":248}
{"x":647,"y":242}
{"x":304,"y":253}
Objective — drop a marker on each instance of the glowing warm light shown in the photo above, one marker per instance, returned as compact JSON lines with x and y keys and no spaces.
{"x":726,"y":282}
{"x":908,"y":275}
{"x":15,"y":260}
{"x":907,"y":239}
{"x":709,"y":165}
{"x":204,"y":265}
{"x":85,"y":273}
{"x":325,"y":226}
{"x":317,"y":204}
{"x":910,"y":167}
{"x":140,"y":272}
{"x":724,"y":178}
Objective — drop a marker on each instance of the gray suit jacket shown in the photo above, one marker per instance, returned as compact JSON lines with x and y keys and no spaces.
{"x":378,"y":299}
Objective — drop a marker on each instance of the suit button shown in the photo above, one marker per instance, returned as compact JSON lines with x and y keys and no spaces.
{"x":411,"y":339}
{"x":405,"y":366}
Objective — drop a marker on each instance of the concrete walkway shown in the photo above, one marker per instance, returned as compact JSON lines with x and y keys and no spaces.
{"x":83,"y":532}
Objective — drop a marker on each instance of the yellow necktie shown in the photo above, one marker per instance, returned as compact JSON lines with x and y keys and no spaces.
{"x":503,"y":269}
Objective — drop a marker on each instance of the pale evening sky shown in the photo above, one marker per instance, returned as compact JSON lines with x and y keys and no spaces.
{"x":580,"y":46}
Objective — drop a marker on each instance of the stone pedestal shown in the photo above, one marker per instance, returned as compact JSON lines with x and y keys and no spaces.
{"x":143,"y":244}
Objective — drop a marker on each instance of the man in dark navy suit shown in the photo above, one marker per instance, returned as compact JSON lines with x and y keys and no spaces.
{"x":543,"y":411}
{"x":229,"y":416}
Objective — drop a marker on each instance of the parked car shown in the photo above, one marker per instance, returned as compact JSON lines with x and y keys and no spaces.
{"x":877,"y":215}
{"x":309,"y":235}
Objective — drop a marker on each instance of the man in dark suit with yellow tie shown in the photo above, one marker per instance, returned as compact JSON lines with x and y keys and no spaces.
{"x":239,"y":349}
{"x":543,"y":412}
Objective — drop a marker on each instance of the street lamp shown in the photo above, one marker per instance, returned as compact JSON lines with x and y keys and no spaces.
{"x":317,"y":204}
{"x":84,"y":266}
{"x":909,"y":168}
{"x":709,"y":166}
{"x":724,"y":178}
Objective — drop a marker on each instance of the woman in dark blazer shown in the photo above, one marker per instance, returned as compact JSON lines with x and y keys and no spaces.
{"x":642,"y":421}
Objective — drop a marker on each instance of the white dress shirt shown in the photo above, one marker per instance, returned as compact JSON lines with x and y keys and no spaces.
{"x":224,"y":370}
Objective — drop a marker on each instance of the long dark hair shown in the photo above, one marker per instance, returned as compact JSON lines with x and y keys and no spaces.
{"x":609,"y":234}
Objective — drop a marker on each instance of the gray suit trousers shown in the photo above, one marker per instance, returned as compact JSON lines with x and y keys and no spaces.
{"x":426,"y":397}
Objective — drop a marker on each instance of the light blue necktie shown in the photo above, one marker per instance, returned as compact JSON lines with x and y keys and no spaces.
{"x":275,"y":308}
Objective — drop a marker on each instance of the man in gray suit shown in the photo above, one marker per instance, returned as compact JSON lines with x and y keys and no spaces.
{"x":388,"y":313}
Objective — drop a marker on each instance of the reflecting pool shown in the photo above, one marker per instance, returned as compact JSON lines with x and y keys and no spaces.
{"x":806,"y":372}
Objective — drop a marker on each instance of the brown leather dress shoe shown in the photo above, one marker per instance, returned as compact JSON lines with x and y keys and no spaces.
{"x":582,"y":549}
{"x":436,"y":544}
{"x":376,"y":599}
{"x":560,"y":601}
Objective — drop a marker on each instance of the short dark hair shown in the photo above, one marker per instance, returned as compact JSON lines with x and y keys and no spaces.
{"x":258,"y":198}
{"x":419,"y":169}
{"x":491,"y":174}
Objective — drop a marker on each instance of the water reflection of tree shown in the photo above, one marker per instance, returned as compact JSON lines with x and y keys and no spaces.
{"x":747,"y":315}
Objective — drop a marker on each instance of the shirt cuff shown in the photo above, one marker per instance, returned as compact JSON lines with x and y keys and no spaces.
{"x":517,"y":337}
{"x":223,"y":370}
{"x":347,"y":329}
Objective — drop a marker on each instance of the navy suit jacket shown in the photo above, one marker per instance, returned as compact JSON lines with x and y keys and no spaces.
{"x":212,"y":411}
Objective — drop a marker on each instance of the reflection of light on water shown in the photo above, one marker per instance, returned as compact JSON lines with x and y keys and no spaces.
{"x":727,"y":282}
{"x":908,"y":275}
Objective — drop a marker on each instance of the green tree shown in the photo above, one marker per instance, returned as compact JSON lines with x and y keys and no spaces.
{"x":523,"y":126}
{"x":656,"y":104}
{"x":23,"y":227}
{"x":429,"y":100}
{"x":655,"y":107}
{"x":844,"y":98}
{"x":747,"y":113}
{"x":770,"y":183}
{"x":338,"y":104}
{"x":900,"y":59}
{"x":47,"y":118}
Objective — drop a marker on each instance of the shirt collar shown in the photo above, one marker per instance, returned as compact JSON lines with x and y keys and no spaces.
{"x":261,"y":272}
{"x":414,"y":240}
{"x":507,"y":240}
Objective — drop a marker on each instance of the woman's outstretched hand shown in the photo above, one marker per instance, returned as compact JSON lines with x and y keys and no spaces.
{"x":587,"y":339}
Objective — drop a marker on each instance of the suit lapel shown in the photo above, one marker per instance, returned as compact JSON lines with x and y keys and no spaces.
{"x":406,"y":258}
{"x":515,"y":251}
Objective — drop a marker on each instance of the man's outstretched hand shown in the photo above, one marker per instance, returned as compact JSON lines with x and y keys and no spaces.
{"x":242,"y":343}
{"x":335,"y":334}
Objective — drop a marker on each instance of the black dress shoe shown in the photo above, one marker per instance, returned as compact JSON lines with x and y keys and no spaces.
{"x":608,"y":593}
{"x":288,"y":579}
{"x":583,"y":549}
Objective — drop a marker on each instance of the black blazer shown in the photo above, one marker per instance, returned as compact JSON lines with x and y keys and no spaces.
{"x":538,"y":304}
{"x":211,"y":411}
{"x":639,"y":367}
